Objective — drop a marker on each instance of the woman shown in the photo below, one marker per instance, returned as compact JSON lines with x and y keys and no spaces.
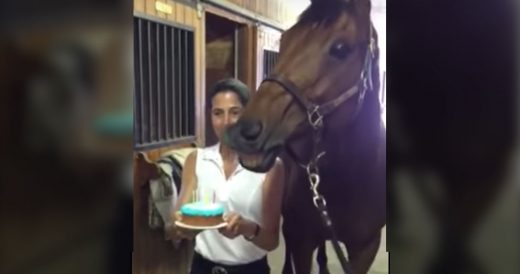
{"x":252,"y":200}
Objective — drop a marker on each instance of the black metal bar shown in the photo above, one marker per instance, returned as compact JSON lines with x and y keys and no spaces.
{"x":267,"y":70}
{"x":268,"y":67}
{"x":191,"y":74}
{"x":155,"y":89}
{"x":185,"y":86}
{"x":266,"y":64}
{"x":136,"y":80}
{"x":182,"y":92}
{"x":145,"y":83}
{"x":166,"y":74}
{"x":235,"y":53}
{"x":158,"y":112}
{"x":263,"y":64}
{"x":138,"y":76}
{"x":273,"y":62}
{"x":270,"y":57}
{"x":150,"y":84}
{"x":179,"y":85}
{"x":174,"y":85}
{"x":269,"y":63}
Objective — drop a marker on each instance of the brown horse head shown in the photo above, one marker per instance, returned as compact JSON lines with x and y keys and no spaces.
{"x":321,"y":61}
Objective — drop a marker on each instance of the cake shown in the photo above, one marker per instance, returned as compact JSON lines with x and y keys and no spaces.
{"x":202,"y":214}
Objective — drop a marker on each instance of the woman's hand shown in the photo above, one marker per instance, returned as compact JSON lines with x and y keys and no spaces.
{"x":236,"y":226}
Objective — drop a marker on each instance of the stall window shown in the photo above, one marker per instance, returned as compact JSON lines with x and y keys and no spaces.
{"x":164,"y":105}
{"x":270,"y":59}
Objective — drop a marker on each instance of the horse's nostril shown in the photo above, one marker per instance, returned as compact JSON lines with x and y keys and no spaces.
{"x":251,"y":130}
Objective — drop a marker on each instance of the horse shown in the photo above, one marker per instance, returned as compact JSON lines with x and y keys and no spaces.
{"x":320,"y":112}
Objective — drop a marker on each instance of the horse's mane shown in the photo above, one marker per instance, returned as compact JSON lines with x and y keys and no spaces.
{"x":326,"y":12}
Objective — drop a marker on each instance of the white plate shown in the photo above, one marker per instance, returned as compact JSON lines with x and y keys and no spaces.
{"x":183,"y":225}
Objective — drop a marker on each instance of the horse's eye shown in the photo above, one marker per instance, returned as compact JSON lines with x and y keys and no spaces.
{"x":340,"y":50}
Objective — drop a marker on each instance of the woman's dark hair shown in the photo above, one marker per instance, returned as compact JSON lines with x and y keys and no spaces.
{"x":233,"y":85}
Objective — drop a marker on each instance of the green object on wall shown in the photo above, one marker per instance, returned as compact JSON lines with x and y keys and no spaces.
{"x":115,"y":124}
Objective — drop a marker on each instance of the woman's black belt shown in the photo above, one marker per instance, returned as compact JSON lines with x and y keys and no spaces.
{"x":206,"y":266}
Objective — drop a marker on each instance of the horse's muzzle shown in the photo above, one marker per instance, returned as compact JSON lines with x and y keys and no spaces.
{"x":247,"y":139}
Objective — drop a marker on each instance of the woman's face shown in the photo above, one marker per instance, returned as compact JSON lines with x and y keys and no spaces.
{"x":225,"y":111}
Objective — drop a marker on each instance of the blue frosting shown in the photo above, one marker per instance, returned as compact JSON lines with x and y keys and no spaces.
{"x":202,"y":209}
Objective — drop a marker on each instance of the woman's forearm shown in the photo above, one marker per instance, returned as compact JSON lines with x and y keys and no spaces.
{"x":267,"y":240}
{"x":184,"y":198}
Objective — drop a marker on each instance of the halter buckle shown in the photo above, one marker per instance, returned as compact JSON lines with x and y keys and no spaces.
{"x":315,"y":117}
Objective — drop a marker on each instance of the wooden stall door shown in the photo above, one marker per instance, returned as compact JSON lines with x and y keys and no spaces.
{"x":152,"y":253}
{"x":247,"y":51}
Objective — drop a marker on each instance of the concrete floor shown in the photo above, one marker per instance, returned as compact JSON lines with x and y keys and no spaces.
{"x":380,"y":265}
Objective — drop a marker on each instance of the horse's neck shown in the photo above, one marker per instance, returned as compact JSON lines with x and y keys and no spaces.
{"x":352,"y":147}
{"x":359,"y":141}
{"x":364,"y":129}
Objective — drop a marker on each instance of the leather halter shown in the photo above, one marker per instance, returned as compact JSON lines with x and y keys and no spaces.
{"x":316,"y":112}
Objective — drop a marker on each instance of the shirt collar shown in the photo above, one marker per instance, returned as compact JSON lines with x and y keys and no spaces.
{"x":212,"y":153}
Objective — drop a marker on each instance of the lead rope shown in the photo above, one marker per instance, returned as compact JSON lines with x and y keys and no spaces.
{"x":316,"y":121}
{"x":315,"y":118}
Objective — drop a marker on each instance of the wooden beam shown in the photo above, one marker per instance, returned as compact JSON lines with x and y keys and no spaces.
{"x":233,"y":8}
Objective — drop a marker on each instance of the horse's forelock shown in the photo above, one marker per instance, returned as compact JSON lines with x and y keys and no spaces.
{"x":324,"y":11}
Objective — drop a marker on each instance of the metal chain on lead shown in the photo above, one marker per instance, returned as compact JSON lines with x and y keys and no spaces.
{"x":316,"y":121}
{"x":314,"y":180}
